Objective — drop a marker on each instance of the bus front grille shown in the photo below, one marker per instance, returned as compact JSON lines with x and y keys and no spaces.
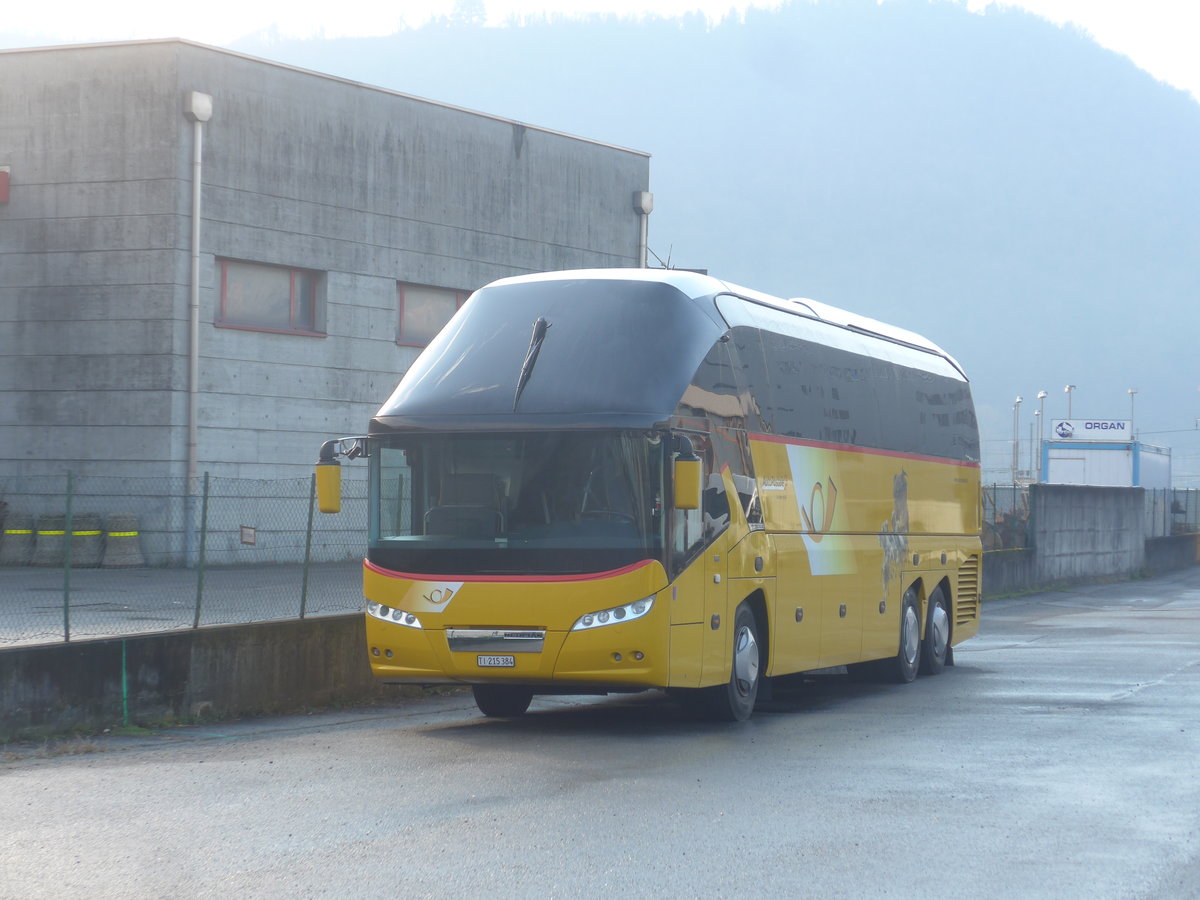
{"x":496,"y":640}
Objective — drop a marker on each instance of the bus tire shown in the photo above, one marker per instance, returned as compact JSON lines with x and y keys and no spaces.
{"x":902,"y":668}
{"x":502,"y":701}
{"x":936,"y":644}
{"x":734,"y":700}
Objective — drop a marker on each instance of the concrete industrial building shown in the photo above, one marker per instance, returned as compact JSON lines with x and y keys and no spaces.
{"x":340,"y":225}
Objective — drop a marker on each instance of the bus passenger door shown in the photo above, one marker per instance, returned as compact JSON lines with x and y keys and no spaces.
{"x":702,"y":537}
{"x":718,"y":618}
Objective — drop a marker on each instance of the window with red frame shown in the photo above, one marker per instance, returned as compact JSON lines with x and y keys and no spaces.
{"x":424,"y":311}
{"x":269,"y":298}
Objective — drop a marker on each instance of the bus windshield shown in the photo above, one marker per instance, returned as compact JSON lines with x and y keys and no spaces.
{"x":530,"y":503}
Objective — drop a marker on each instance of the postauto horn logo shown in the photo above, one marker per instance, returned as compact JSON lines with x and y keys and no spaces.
{"x":1064,"y":429}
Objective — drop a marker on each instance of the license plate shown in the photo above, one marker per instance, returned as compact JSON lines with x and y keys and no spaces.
{"x":496,"y":662}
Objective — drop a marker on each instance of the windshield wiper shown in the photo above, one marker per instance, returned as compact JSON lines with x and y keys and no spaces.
{"x":540,"y":327}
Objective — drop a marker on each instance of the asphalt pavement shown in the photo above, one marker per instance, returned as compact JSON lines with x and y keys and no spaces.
{"x":1058,"y":758}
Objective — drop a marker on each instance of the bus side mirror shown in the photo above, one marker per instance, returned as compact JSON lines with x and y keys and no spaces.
{"x":329,"y":480}
{"x":687,"y":474}
{"x":687,"y":483}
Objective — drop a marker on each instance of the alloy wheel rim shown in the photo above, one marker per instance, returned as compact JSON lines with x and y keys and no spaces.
{"x":745,"y":661}
{"x":941,"y":629}
{"x":912,"y":635}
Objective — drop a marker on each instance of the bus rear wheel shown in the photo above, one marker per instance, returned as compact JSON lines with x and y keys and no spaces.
{"x":902,"y":668}
{"x":502,"y":701}
{"x":734,"y":700}
{"x":937,"y":635}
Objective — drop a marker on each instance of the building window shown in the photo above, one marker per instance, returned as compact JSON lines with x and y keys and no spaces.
{"x":269,"y":298}
{"x":424,"y":311}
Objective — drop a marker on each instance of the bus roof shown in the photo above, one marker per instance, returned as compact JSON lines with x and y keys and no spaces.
{"x":697,"y":285}
{"x":620,"y":348}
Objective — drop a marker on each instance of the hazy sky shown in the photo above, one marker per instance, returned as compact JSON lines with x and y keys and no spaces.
{"x":1160,"y":36}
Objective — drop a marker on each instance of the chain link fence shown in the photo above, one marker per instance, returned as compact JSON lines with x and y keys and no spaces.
{"x":1172,"y":511}
{"x":102,"y":556}
{"x":86,"y":557}
{"x":1005,"y":516}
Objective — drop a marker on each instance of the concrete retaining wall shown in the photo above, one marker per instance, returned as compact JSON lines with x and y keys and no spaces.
{"x":1085,"y":533}
{"x":237,"y":670}
{"x":1008,"y":571}
{"x":1165,"y":554}
{"x":1079,"y":533}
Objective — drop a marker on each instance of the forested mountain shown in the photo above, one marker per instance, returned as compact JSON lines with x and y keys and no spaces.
{"x":1007,"y":187}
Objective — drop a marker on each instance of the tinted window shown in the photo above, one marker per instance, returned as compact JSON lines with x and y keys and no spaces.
{"x":611,"y":347}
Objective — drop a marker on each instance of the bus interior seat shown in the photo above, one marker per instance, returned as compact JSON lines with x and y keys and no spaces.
{"x":471,"y":507}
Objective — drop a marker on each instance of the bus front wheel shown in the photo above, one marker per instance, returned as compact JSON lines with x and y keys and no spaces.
{"x":502,"y":701}
{"x":734,"y":700}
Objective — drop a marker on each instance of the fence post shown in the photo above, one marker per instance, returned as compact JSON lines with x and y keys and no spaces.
{"x":67,"y":529}
{"x":200,"y":562}
{"x":312,"y":497}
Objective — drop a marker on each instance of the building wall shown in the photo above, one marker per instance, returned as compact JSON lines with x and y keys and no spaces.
{"x":1098,"y":463}
{"x":368,"y":187}
{"x":89,"y":259}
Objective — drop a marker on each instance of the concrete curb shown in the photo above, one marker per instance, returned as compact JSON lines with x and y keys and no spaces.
{"x":218,"y":672}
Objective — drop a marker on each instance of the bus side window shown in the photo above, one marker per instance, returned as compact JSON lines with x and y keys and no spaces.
{"x":747,"y":491}
{"x":686,"y":532}
{"x":690,"y":528}
{"x":715,"y":504}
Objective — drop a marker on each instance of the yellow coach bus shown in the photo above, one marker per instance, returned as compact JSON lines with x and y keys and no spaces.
{"x":618,"y":480}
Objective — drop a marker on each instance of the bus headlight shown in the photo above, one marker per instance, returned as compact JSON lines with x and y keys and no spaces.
{"x":389,"y":614}
{"x":614,"y":615}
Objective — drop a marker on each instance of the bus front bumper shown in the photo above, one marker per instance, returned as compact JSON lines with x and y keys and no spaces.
{"x":630,"y":655}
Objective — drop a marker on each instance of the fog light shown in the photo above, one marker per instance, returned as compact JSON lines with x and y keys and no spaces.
{"x":616,"y":657}
{"x":639,"y":655}
{"x":374,"y":651}
{"x":387,"y":653}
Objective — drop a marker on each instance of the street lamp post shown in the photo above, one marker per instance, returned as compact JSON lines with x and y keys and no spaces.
{"x":1041,"y":431}
{"x":1035,"y":447}
{"x":1069,"y":388}
{"x":1132,"y":393}
{"x":1016,"y":437}
{"x":1032,"y":445}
